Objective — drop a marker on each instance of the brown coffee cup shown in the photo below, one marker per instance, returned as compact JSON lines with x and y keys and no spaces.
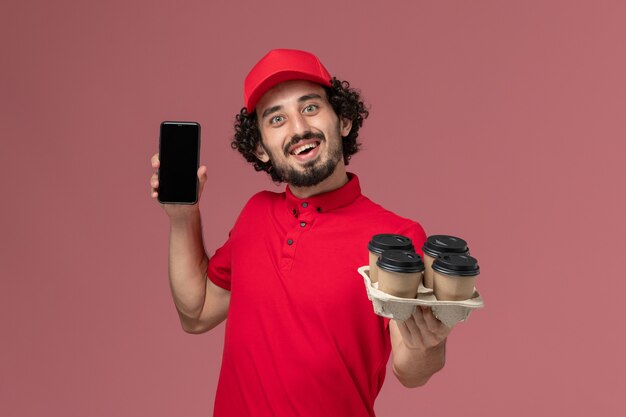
{"x":400,"y":273}
{"x":383,"y":242}
{"x":454,"y":276}
{"x":436,"y":245}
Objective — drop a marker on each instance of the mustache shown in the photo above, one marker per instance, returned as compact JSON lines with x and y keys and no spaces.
{"x":295,"y":139}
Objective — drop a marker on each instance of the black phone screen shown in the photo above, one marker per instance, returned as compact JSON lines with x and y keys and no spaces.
{"x":179,"y":151}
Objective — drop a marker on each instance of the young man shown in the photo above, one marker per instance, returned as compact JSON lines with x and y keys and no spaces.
{"x":301,"y":336}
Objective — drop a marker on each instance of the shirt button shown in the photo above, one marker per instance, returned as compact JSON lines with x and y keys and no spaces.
{"x":289,"y":242}
{"x":305,"y":205}
{"x":302,"y":224}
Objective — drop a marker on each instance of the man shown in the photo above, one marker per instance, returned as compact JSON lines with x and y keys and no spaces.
{"x":301,"y":337}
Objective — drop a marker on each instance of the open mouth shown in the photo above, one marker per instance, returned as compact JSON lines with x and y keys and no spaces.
{"x":305,"y":149}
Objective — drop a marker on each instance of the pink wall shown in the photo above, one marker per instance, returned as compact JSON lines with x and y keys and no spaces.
{"x":502,"y":122}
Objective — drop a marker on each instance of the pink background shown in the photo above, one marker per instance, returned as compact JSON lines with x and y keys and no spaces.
{"x":500,"y":121}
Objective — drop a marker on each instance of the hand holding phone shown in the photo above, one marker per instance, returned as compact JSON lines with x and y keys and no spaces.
{"x":179,"y":153}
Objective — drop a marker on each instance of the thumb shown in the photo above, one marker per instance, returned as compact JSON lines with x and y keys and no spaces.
{"x":202,"y":177}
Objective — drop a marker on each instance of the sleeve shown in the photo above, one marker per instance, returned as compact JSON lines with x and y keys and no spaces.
{"x":220,"y":264}
{"x":219,"y":267}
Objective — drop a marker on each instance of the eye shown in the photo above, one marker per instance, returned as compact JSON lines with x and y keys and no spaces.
{"x":276,"y":119}
{"x":310,"y":108}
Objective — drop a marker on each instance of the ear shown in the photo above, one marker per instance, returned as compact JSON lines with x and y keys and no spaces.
{"x":260,"y":153}
{"x":345,"y":125}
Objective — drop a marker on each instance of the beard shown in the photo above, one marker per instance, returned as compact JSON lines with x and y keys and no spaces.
{"x":313,"y":172}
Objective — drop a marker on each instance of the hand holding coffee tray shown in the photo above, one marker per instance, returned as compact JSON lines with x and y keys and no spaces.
{"x":397,"y":308}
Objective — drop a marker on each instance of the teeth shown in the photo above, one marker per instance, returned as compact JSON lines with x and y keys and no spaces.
{"x":303,"y":148}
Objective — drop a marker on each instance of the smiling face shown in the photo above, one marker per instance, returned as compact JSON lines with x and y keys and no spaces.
{"x":301,"y":133}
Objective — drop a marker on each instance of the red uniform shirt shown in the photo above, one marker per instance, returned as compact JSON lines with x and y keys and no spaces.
{"x":301,"y":335}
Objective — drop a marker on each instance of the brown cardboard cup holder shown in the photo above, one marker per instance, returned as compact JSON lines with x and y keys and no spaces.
{"x":448,"y":312}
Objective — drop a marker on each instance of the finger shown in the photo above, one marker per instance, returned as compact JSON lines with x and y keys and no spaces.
{"x":429,"y":319}
{"x":154,"y":161}
{"x":434,"y":324}
{"x":413,"y":326}
{"x":416,"y":336}
{"x":202,"y":176}
{"x":154,"y":181}
{"x":154,"y":190}
{"x":404,"y":331}
{"x":428,"y":337}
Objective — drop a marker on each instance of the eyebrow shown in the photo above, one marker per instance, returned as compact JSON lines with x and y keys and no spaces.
{"x":270,"y":111}
{"x":308,"y":97}
{"x":300,"y":100}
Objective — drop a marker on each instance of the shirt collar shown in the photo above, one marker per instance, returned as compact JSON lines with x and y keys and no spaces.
{"x":324,"y":202}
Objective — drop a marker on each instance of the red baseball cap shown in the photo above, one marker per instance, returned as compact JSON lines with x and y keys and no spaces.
{"x":278,"y":66}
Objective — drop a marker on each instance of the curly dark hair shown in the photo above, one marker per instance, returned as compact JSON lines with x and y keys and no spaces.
{"x":345,"y":101}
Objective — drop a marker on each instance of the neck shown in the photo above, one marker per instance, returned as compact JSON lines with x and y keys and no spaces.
{"x":336,"y":180}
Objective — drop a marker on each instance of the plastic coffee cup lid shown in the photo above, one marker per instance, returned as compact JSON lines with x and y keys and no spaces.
{"x":382,"y":242}
{"x":395,"y":260}
{"x":438,"y":244}
{"x":456,"y":264}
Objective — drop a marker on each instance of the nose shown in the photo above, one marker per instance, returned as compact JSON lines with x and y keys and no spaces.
{"x":299,"y":124}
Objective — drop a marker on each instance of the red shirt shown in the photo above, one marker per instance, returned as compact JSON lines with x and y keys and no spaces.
{"x":301,"y":335}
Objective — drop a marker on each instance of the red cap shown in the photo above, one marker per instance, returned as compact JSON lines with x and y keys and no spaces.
{"x":278,"y":66}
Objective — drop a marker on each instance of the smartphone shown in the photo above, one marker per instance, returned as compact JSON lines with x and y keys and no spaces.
{"x":179,"y":156}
